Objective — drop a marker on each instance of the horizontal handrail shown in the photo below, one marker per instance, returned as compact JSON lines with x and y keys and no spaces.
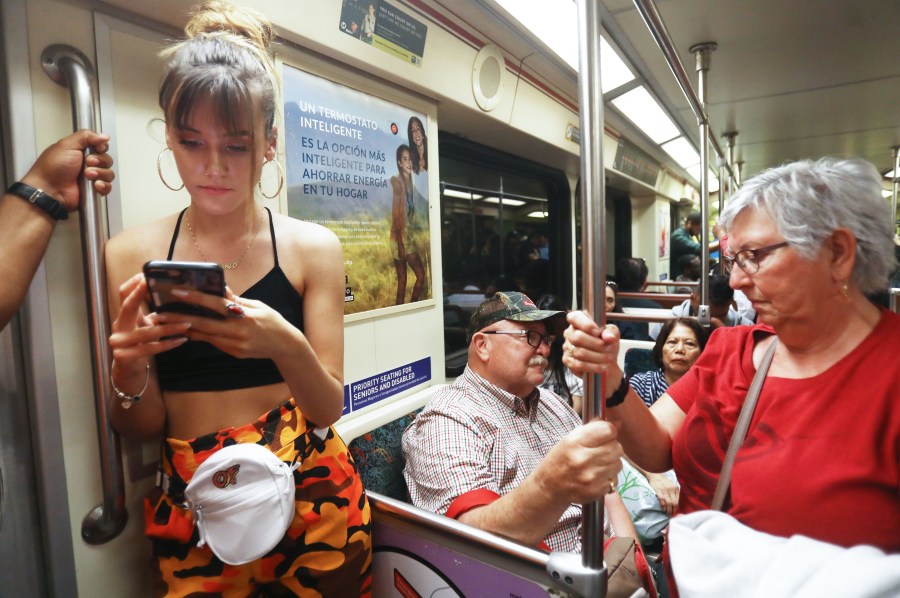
{"x":620,"y":317}
{"x":554,"y":569}
{"x":472,"y":535}
{"x":654,"y":296}
{"x":673,"y":283}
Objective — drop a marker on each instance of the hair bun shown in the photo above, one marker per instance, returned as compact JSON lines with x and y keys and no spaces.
{"x":217,"y":16}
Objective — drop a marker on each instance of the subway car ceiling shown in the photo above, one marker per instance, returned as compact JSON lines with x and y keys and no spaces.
{"x":820,"y":79}
{"x":793,"y":79}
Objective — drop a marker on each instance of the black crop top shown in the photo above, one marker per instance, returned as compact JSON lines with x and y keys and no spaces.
{"x":199,"y":366}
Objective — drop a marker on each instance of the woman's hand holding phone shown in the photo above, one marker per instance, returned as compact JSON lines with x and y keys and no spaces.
{"x":191,"y":298}
{"x":180,"y":287}
{"x":136,"y":335}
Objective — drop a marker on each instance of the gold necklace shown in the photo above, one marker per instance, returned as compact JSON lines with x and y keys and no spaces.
{"x":230,"y":265}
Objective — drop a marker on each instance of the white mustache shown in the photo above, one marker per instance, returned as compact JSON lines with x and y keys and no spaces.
{"x":538,"y":360}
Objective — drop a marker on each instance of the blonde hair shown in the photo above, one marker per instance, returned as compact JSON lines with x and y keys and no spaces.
{"x":224,"y":59}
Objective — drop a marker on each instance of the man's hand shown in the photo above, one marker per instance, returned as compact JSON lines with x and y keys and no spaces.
{"x":583,"y":466}
{"x":57,"y":168}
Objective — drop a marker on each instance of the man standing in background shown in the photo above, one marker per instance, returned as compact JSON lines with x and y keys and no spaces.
{"x":683,"y":242}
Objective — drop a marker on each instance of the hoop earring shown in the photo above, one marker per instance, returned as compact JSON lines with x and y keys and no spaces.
{"x":159,"y":171}
{"x":280,"y":180}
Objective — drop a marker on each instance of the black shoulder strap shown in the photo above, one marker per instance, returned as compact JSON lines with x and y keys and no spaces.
{"x":272,"y":232}
{"x":175,"y":235}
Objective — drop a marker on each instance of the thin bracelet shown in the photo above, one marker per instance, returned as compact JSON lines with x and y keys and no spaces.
{"x":126,"y":399}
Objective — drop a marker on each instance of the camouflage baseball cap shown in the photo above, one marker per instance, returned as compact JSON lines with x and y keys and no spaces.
{"x":511,"y":305}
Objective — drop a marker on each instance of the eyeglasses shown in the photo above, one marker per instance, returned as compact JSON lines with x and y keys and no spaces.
{"x":749,"y":259}
{"x":532,"y":337}
{"x":612,"y":284}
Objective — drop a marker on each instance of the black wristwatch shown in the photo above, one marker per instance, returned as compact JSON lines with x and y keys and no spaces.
{"x":618,"y":397}
{"x":40,"y":199}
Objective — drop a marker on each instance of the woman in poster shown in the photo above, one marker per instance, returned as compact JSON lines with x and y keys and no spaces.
{"x":406,"y":224}
{"x":418,"y":141}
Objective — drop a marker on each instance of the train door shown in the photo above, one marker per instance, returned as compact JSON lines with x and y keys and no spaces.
{"x":47,"y":399}
{"x":505,"y":224}
{"x":22,"y":563}
{"x":36,"y":556}
{"x":618,"y":237}
{"x":499,"y":211}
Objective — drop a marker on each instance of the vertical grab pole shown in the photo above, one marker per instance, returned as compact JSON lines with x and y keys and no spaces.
{"x":732,"y":187}
{"x":590,"y":101}
{"x":702,"y":54}
{"x":586,"y":574}
{"x":70,"y":68}
{"x":895,"y":180}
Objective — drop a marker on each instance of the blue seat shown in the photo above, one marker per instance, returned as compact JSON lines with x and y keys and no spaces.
{"x":638,"y":360}
{"x":379,"y":458}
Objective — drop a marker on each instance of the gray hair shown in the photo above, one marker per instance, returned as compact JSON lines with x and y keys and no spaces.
{"x":808,"y":200}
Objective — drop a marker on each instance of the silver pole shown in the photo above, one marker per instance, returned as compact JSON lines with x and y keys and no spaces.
{"x":654,"y":22}
{"x":501,"y":244}
{"x":895,"y":181}
{"x":723,"y":181}
{"x":70,"y":68}
{"x":588,"y":572}
{"x":592,"y":215}
{"x":702,"y":54}
{"x":729,"y":145}
{"x":732,"y":187}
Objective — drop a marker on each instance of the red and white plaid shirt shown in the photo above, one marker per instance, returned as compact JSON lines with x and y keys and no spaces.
{"x":473,"y":435}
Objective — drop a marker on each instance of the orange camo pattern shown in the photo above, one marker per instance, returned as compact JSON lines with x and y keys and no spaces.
{"x":327,"y":550}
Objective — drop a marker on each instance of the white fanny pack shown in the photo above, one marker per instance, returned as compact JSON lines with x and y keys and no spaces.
{"x":242,"y":498}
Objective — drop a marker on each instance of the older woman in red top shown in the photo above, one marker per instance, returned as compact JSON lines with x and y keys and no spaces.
{"x":808,"y":242}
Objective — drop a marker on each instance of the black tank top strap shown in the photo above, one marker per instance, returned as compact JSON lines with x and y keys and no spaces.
{"x":175,"y":237}
{"x":272,"y":231}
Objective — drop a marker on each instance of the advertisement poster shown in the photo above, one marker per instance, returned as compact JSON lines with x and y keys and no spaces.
{"x":358,"y":165}
{"x":662,"y":218}
{"x":386,"y":27}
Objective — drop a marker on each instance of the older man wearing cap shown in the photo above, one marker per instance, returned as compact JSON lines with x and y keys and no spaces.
{"x":499,"y":453}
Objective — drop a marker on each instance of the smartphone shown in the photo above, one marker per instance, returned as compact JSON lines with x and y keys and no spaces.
{"x":162,"y":277}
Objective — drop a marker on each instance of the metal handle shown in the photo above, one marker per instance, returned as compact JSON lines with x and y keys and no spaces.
{"x":70,"y":68}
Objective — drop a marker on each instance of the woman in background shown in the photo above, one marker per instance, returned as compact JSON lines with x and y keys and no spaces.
{"x":277,"y":350}
{"x":557,"y":377}
{"x":611,"y":302}
{"x":679,"y":344}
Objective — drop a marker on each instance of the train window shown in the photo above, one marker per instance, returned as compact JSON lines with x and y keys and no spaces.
{"x":504,"y":226}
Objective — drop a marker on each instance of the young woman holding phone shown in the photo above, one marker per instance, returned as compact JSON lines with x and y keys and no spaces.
{"x":270,"y":372}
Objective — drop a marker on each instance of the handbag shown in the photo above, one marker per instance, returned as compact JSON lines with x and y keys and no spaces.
{"x":640,"y":500}
{"x":627,"y":569}
{"x":242,"y":498}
